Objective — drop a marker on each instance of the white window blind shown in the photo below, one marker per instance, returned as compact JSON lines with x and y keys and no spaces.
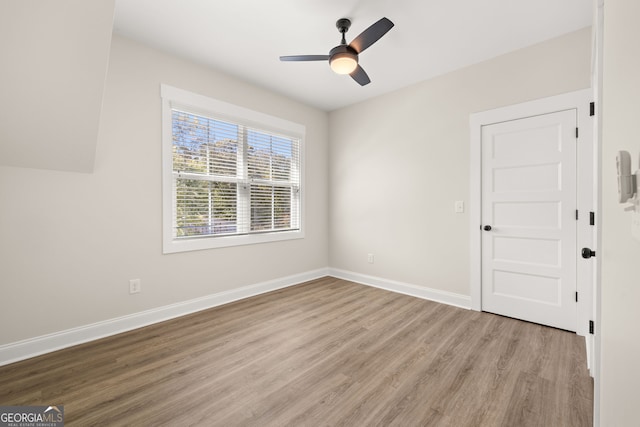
{"x":229,"y":178}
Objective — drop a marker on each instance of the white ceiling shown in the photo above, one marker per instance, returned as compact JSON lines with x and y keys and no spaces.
{"x":430,"y":38}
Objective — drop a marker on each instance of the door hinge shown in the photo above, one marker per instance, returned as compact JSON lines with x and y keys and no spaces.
{"x":591,"y":327}
{"x":592,"y":218}
{"x":576,"y":132}
{"x":576,"y":214}
{"x":576,"y":297}
{"x":592,"y":109}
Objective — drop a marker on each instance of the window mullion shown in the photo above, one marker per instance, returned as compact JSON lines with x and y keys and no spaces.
{"x":210,"y":210}
{"x":273,"y":207}
{"x":295,"y":185}
{"x":244,"y":188}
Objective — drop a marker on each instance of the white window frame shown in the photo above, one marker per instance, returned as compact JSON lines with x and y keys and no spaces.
{"x":199,"y":104}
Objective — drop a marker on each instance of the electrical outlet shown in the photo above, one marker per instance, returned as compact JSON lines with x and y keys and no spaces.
{"x":370,"y":258}
{"x":135,"y":286}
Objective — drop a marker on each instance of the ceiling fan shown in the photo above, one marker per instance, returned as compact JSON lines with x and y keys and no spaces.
{"x":343,"y":58}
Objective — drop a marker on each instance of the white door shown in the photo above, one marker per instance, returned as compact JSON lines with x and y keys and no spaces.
{"x":528,"y":219}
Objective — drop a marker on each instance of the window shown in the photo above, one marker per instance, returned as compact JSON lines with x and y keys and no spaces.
{"x":232,"y":176}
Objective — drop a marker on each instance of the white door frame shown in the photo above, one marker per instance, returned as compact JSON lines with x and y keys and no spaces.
{"x":596,"y":79}
{"x":580,"y":101}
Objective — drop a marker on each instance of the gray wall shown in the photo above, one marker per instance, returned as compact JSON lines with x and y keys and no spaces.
{"x":620,"y":252}
{"x":398,"y":163}
{"x":71,"y":242}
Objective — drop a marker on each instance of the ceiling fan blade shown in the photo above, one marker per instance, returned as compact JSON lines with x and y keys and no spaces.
{"x":371,"y":35}
{"x":360,"y":76}
{"x":305,"y":58}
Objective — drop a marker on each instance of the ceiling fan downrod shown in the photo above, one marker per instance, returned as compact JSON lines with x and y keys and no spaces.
{"x":343,"y":25}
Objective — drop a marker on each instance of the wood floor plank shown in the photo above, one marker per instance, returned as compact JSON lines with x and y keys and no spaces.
{"x":324,"y":353}
{"x":532,"y":403}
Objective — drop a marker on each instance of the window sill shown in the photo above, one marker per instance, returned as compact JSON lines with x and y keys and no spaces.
{"x":201,"y":243}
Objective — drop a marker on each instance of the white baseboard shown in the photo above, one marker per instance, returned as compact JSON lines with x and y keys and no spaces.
{"x":450,"y":298}
{"x":21,"y":350}
{"x":32,"y":347}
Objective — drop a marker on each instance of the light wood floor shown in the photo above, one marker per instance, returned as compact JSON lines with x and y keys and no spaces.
{"x":325,"y":353}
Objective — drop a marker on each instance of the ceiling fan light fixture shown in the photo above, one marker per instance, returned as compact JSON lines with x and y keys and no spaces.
{"x":343,"y":59}
{"x":343,"y":63}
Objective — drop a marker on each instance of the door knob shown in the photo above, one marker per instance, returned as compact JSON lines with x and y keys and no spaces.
{"x":487,"y":228}
{"x":587,"y":253}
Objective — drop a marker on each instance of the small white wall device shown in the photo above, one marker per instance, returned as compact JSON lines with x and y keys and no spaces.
{"x":626,"y":181}
{"x":628,"y":190}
